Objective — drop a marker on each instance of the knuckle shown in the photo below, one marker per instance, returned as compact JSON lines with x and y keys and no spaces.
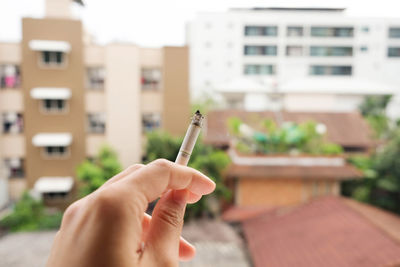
{"x":162,"y":163}
{"x":171,"y":217}
{"x":70,"y":212}
{"x":134,"y":167}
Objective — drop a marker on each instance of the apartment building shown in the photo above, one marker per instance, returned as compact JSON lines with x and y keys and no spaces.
{"x":299,"y":59}
{"x":62,"y":98}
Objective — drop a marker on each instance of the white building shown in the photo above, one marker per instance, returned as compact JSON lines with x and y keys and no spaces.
{"x":302,"y":59}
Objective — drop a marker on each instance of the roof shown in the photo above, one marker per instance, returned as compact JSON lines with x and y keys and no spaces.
{"x":50,"y":93}
{"x":52,"y":139}
{"x":50,"y":45}
{"x":345,"y":129}
{"x":323,"y":232}
{"x":238,"y":214}
{"x":54,"y":184}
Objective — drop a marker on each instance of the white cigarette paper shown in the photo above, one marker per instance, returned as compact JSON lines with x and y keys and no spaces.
{"x":190,"y":139}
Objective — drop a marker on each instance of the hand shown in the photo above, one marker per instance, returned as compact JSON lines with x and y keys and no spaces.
{"x":109,"y":226}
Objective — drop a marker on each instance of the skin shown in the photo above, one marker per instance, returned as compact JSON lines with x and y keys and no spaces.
{"x":109,"y":226}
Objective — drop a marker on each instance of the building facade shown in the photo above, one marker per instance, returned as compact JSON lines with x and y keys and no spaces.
{"x":62,"y":98}
{"x":306,"y":59}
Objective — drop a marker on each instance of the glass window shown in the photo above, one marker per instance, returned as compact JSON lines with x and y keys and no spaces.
{"x":260,"y":50}
{"x":151,"y":121}
{"x":330,"y":70}
{"x":151,"y":79}
{"x":14,"y":167}
{"x":338,"y":51}
{"x":332,"y":31}
{"x":294,"y":31}
{"x":56,"y":151}
{"x":52,"y":58}
{"x":365,"y":29}
{"x":54,"y":105}
{"x":394,"y":32}
{"x":10,"y":76}
{"x":394,"y":52}
{"x":363,"y":48}
{"x":294,"y":50}
{"x":95,"y":78}
{"x":257,"y":69}
{"x":96,"y":123}
{"x":12,"y":123}
{"x":261,"y":30}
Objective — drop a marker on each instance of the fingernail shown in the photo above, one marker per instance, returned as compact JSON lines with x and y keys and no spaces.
{"x":180,"y":196}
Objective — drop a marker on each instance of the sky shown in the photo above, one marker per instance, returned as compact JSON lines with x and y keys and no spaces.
{"x":155,"y":23}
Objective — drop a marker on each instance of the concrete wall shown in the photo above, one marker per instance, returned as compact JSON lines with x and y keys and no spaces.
{"x":71,"y":76}
{"x":176,"y":107}
{"x":122,"y":94}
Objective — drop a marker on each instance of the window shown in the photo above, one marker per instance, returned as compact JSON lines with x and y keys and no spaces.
{"x":294,"y":31}
{"x":326,"y":51}
{"x":365,"y":29}
{"x":255,"y":69}
{"x":10,"y":76}
{"x":394,"y":32}
{"x":294,"y":50}
{"x":394,"y":52}
{"x":261,"y":30}
{"x":54,"y":105}
{"x":95,"y":78}
{"x":151,"y":121}
{"x":330,"y":70}
{"x":52,"y":58}
{"x":14,"y":168}
{"x":151,"y":79}
{"x":12,"y":123}
{"x":96,"y":123}
{"x":55,"y":151}
{"x":260,"y":50}
{"x":364,"y":48}
{"x":332,"y":31}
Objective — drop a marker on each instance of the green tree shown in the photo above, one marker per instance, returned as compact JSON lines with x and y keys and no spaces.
{"x":204,"y":158}
{"x":30,"y":214}
{"x":93,"y":173}
{"x":373,"y":108}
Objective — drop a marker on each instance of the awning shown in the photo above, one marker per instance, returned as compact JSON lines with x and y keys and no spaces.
{"x":55,"y":184}
{"x":50,"y":93}
{"x":52,"y":139}
{"x":48,"y":45}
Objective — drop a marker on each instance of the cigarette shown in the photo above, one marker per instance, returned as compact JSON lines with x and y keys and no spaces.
{"x":189,"y":141}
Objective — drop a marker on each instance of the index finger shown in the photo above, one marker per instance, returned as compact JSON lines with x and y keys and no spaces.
{"x":160,"y":175}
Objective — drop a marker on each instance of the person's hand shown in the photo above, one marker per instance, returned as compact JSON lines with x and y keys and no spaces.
{"x":109,"y":227}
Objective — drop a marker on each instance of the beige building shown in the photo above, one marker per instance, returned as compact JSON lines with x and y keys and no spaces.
{"x":62,"y":97}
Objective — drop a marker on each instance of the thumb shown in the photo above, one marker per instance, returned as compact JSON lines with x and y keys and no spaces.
{"x":166,"y":227}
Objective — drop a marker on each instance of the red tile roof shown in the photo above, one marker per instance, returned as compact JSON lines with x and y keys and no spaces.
{"x":324,"y":232}
{"x":346,"y":129}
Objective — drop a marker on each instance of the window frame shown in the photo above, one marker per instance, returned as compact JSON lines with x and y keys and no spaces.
{"x":53,"y":65}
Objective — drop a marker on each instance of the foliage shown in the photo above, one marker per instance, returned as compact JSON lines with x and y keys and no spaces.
{"x":204,"y":158}
{"x":373,"y":108}
{"x":30,"y":215}
{"x":289,"y":138}
{"x":381,"y":183}
{"x":94,"y":173}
